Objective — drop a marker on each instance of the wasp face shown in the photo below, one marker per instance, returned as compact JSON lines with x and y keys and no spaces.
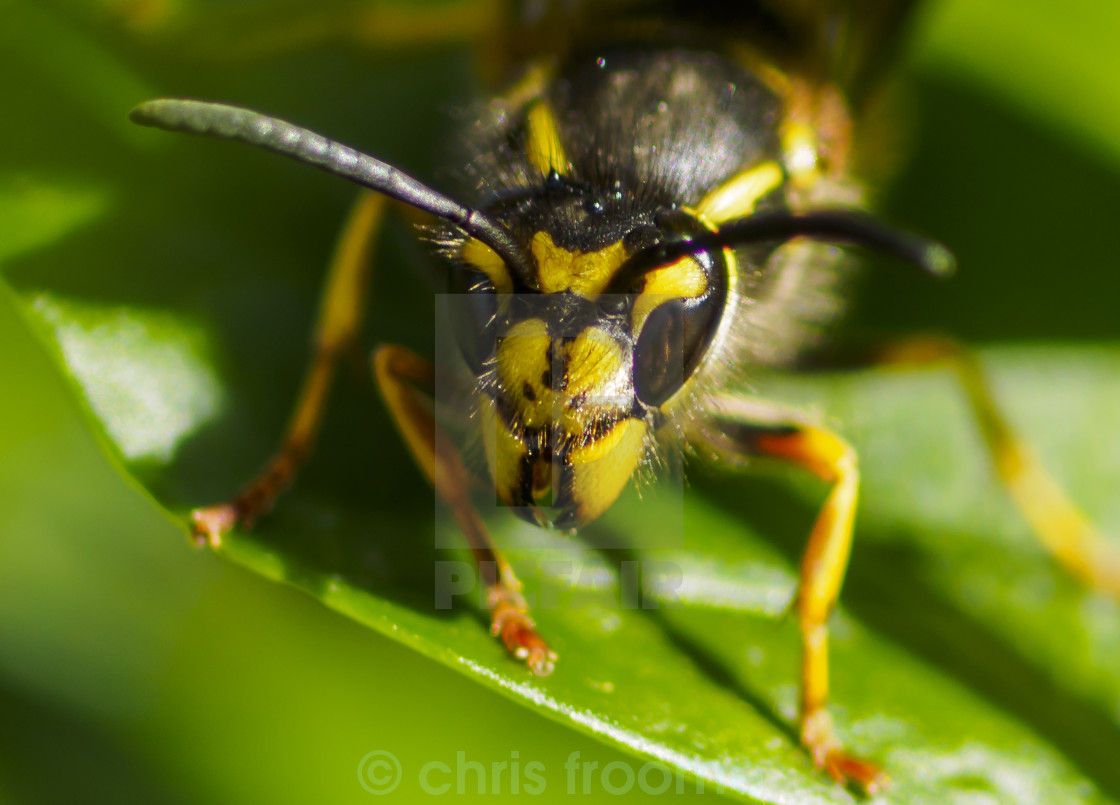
{"x":576,"y":364}
{"x":567,"y":428}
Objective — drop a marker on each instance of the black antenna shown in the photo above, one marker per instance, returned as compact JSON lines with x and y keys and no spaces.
{"x":246,"y":126}
{"x":840,"y":226}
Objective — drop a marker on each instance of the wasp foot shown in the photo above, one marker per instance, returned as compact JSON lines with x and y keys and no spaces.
{"x":511,"y":622}
{"x":818,"y":736}
{"x":210,"y":524}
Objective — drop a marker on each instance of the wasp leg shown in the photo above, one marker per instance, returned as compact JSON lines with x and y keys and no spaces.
{"x":340,"y":317}
{"x":1059,"y":524}
{"x":407,"y":382}
{"x":767,"y":431}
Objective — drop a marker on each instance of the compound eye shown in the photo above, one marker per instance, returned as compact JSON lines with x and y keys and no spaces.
{"x":674,"y":338}
{"x":659,"y":354}
{"x":675,"y":335}
{"x":474,"y":311}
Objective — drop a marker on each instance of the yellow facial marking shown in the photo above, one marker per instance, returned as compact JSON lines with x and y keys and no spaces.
{"x":593,"y":390}
{"x":593,"y":376}
{"x":594,"y":379}
{"x":546,"y":152}
{"x":594,"y":360}
{"x":526,"y":372}
{"x":504,"y":452}
{"x":737,"y":197}
{"x":586,"y":274}
{"x":478,"y":255}
{"x":683,"y":279}
{"x":603,"y":467}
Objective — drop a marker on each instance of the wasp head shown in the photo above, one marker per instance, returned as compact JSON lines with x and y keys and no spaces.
{"x":578,"y":362}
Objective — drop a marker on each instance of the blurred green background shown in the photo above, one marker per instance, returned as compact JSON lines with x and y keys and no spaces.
{"x":132,"y":666}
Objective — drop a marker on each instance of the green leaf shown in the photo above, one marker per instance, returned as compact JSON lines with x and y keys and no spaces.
{"x":1057,"y":65}
{"x":37,"y":213}
{"x":178,"y":294}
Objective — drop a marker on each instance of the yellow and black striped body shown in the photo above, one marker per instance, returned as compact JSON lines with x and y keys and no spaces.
{"x":632,"y":135}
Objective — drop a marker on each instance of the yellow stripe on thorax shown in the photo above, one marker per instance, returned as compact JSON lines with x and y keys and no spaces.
{"x":737,"y":197}
{"x":802,"y":152}
{"x":545,"y":150}
{"x":529,"y":87}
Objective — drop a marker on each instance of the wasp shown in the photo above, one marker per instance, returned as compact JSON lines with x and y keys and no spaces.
{"x":652,"y":207}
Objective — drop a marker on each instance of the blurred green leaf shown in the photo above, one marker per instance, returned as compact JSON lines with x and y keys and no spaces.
{"x":178,"y":299}
{"x":37,"y":214}
{"x":83,"y":76}
{"x":1056,"y":63}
